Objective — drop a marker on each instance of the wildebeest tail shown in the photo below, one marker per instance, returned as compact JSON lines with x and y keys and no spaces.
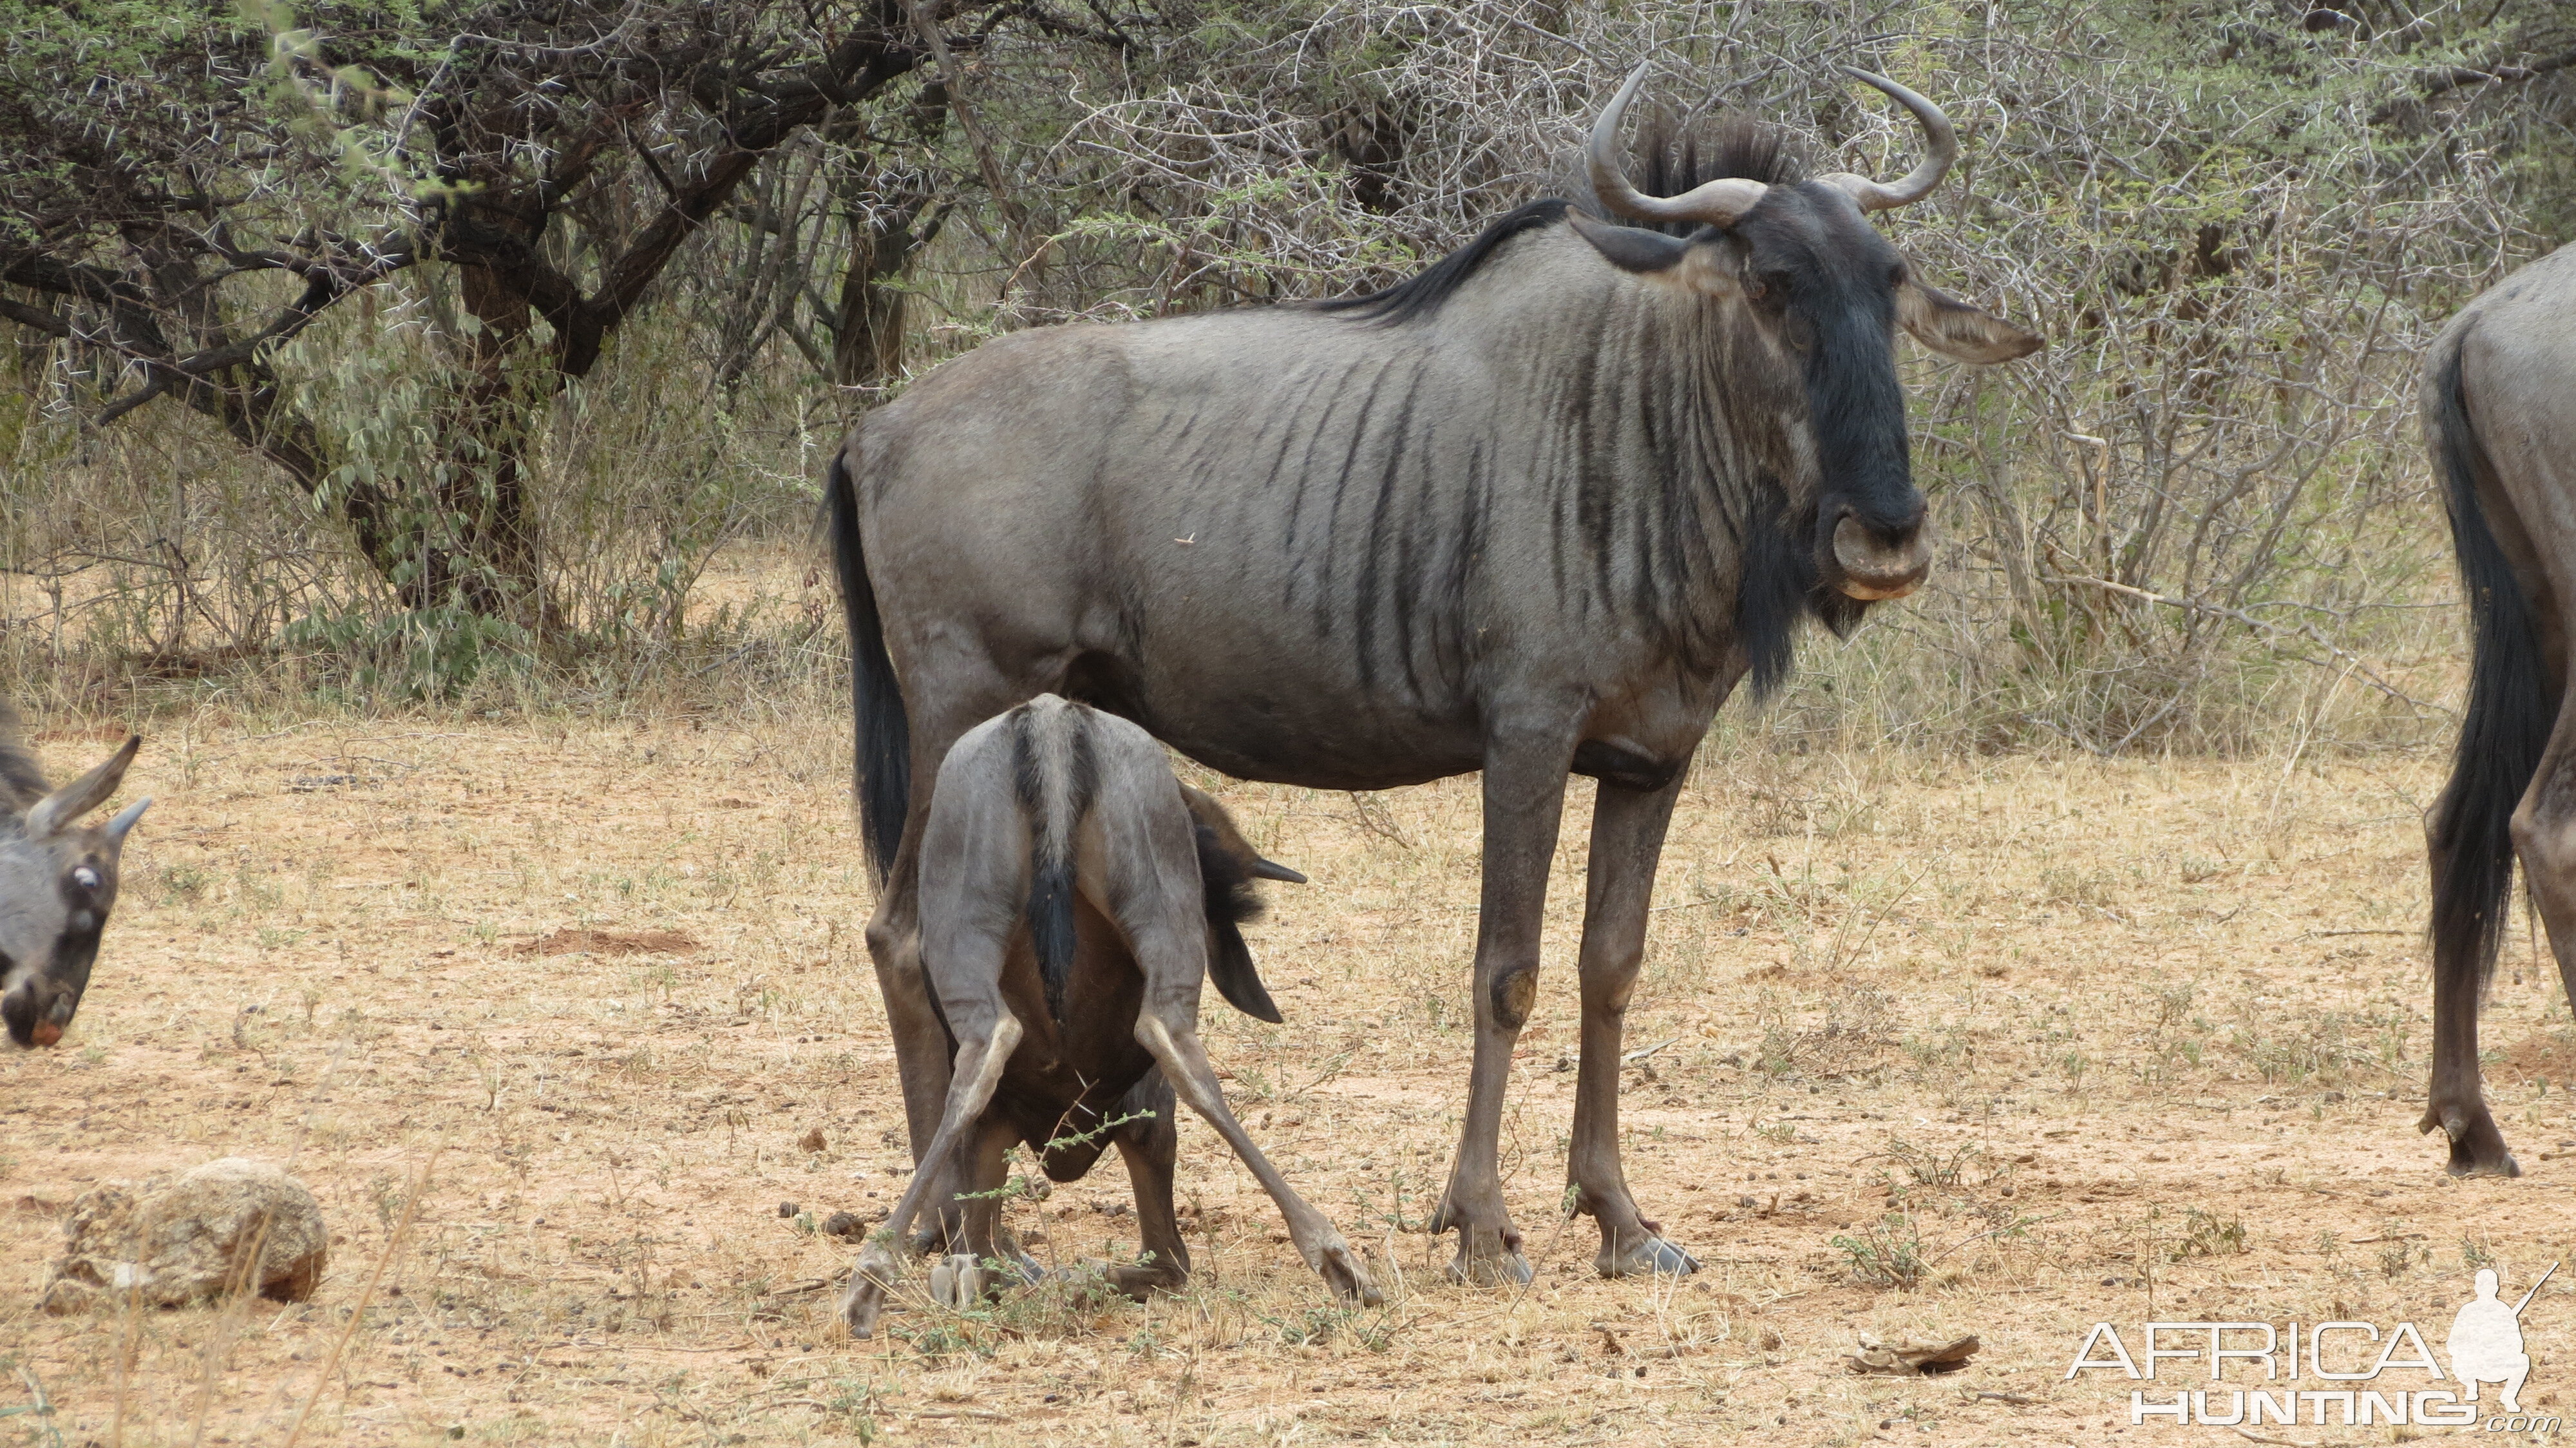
{"x":881,"y":730}
{"x":2510,"y":708}
{"x":1056,"y":774}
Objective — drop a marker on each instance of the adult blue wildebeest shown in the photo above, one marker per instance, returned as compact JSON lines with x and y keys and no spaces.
{"x":57,"y":883}
{"x":1534,"y":512}
{"x":2500,"y":417}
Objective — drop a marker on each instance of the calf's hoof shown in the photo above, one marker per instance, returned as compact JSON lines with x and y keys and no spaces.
{"x":1349,"y":1277}
{"x":1641,"y":1254}
{"x":957,"y":1281}
{"x":862,"y":1303}
{"x":2477,"y":1147}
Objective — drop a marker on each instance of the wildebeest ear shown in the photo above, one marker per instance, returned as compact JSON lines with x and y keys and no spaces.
{"x":1630,"y":248}
{"x":1230,"y":966}
{"x":81,"y":795}
{"x":1954,"y":329}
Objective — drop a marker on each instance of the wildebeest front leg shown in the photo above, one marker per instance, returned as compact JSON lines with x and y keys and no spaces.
{"x":1524,"y":799}
{"x":985,"y":1046}
{"x":1627,"y":838}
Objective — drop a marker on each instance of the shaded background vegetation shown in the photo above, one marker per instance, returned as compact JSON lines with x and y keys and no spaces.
{"x":433,"y":354}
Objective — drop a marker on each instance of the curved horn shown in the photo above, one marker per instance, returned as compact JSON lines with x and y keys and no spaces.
{"x":1943,"y":148}
{"x":82,"y":795}
{"x":1718,"y":203}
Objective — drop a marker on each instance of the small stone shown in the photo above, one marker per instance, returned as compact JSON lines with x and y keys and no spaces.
{"x":843,"y":1225}
{"x":812,"y":1140}
{"x":787,"y":1209}
{"x":172,"y":1241}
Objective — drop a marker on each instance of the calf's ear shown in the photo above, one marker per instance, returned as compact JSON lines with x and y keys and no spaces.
{"x":1230,"y":966}
{"x":82,"y":795}
{"x":1954,"y":329}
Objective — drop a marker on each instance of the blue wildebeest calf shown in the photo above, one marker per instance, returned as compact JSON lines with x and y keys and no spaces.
{"x":1073,"y":897}
{"x":57,"y":883}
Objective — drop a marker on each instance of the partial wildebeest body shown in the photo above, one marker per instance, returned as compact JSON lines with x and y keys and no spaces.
{"x":2500,"y":418}
{"x":1073,"y":897}
{"x":57,"y":883}
{"x":1534,"y":512}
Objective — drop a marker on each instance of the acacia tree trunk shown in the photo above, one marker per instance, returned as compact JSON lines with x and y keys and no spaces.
{"x":892,"y":215}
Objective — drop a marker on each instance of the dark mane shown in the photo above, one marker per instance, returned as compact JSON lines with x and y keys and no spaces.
{"x":1422,"y":295}
{"x":22,"y":779}
{"x":1667,"y":160}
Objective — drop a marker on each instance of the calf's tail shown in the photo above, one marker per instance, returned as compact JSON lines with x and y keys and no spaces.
{"x":881,"y":731}
{"x":2510,"y":710}
{"x":1056,"y":775}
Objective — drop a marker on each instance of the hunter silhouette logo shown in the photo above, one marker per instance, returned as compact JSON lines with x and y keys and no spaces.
{"x":2486,"y":1340}
{"x":2364,"y":1373}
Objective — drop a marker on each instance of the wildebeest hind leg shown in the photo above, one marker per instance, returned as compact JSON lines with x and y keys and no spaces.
{"x":1150,"y":1145}
{"x":985,"y":1048}
{"x":920,"y":1042}
{"x":2544,"y":840}
{"x":1627,"y":837}
{"x":1165,"y":1029}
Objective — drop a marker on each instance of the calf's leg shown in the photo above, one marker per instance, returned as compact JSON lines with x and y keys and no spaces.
{"x":981,"y":1259}
{"x":1627,"y":837}
{"x":985,"y":1043}
{"x":1150,"y":1145}
{"x":1174,"y":1041}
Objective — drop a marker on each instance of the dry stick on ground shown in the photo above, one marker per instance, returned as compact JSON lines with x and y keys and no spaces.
{"x":366,"y":1295}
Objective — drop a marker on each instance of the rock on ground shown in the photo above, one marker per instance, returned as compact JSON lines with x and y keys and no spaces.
{"x":177,"y":1240}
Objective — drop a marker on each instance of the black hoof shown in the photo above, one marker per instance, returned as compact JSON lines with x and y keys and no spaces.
{"x":2477,"y":1147}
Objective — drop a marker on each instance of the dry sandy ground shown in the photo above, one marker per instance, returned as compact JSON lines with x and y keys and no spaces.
{"x":2061,"y":1040}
